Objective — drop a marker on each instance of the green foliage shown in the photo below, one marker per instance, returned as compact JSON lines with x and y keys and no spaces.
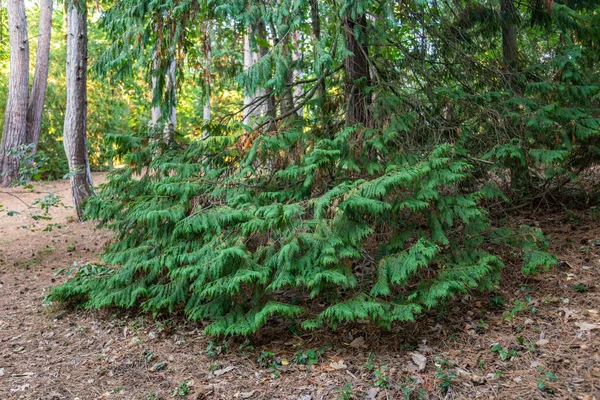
{"x":309,"y":357}
{"x":224,"y":247}
{"x":504,"y":354}
{"x":345,"y":392}
{"x":446,"y":378}
{"x":313,"y":222}
{"x":226,"y":244}
{"x":182,"y":390}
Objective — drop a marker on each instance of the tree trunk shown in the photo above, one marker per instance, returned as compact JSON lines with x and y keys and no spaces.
{"x":14,"y":131}
{"x":248,"y":62}
{"x":357,"y":72}
{"x":297,"y":75}
{"x":510,"y":51}
{"x":171,"y":122}
{"x":316,"y":30}
{"x":270,"y":110}
{"x":74,"y":136}
{"x":207,"y":78}
{"x":155,"y":110}
{"x":287,"y":97}
{"x":40,"y":80}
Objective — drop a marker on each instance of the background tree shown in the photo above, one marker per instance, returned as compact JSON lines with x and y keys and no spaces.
{"x":13,"y":133}
{"x":40,"y":79}
{"x":75,"y":134}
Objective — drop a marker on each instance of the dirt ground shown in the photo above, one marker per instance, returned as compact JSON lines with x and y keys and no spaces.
{"x":534,"y":338}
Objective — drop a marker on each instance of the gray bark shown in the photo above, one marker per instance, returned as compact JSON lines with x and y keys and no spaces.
{"x":297,"y":75}
{"x":207,"y":79}
{"x":171,"y":122}
{"x":155,"y":116}
{"x":248,"y":63}
{"x":74,"y":136}
{"x":40,"y":79}
{"x":13,"y":134}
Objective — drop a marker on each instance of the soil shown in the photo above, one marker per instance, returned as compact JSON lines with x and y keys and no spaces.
{"x":536,"y":337}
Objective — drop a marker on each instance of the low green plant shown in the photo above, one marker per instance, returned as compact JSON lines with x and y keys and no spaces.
{"x":216,"y":348}
{"x":207,"y":232}
{"x":182,"y":389}
{"x":345,"y":392}
{"x":410,"y":389}
{"x":496,"y":301}
{"x":378,"y":372}
{"x":542,"y":382}
{"x":504,"y":354}
{"x":152,"y":396}
{"x":580,"y":288}
{"x":446,"y":378}
{"x":382,"y":379}
{"x":310,"y":356}
{"x":267,"y":359}
{"x":518,"y":306}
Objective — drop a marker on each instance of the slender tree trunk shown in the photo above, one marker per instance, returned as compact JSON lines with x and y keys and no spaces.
{"x":287,"y":97}
{"x":171,"y":123}
{"x":270,"y":110}
{"x":510,"y":50}
{"x":297,"y":74}
{"x":155,"y":110}
{"x":248,"y":62}
{"x":207,"y":77}
{"x":357,"y":72}
{"x":74,"y":136}
{"x":40,"y":80}
{"x":14,"y":131}
{"x":316,"y":30}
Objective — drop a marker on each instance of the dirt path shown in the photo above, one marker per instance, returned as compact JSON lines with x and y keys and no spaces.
{"x":535,"y":338}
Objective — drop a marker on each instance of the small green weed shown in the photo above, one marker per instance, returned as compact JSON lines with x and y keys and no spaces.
{"x":152,"y":396}
{"x":182,"y":390}
{"x":580,"y":288}
{"x":345,"y":392}
{"x":446,"y":378}
{"x":542,"y":382}
{"x":309,"y":357}
{"x":503,"y":353}
{"x":267,"y":359}
{"x":215,"y":348}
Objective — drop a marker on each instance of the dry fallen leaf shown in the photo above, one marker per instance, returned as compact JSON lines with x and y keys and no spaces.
{"x":338,"y":365}
{"x":542,"y":342}
{"x":420,"y":360}
{"x":372,"y":393}
{"x":586,"y":326}
{"x":245,"y":395}
{"x":222,"y":371}
{"x":358,"y":342}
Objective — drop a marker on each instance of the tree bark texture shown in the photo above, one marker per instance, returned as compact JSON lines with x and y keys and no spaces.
{"x":15,"y":117}
{"x":40,"y":79}
{"x":74,"y":136}
{"x":316,"y":31}
{"x":357,"y":72}
{"x":270,"y":110}
{"x":207,"y":76}
{"x":510,"y":50}
{"x":171,"y":122}
{"x":155,"y":111}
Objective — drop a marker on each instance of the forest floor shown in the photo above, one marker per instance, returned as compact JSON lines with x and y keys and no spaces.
{"x":536,"y":337}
